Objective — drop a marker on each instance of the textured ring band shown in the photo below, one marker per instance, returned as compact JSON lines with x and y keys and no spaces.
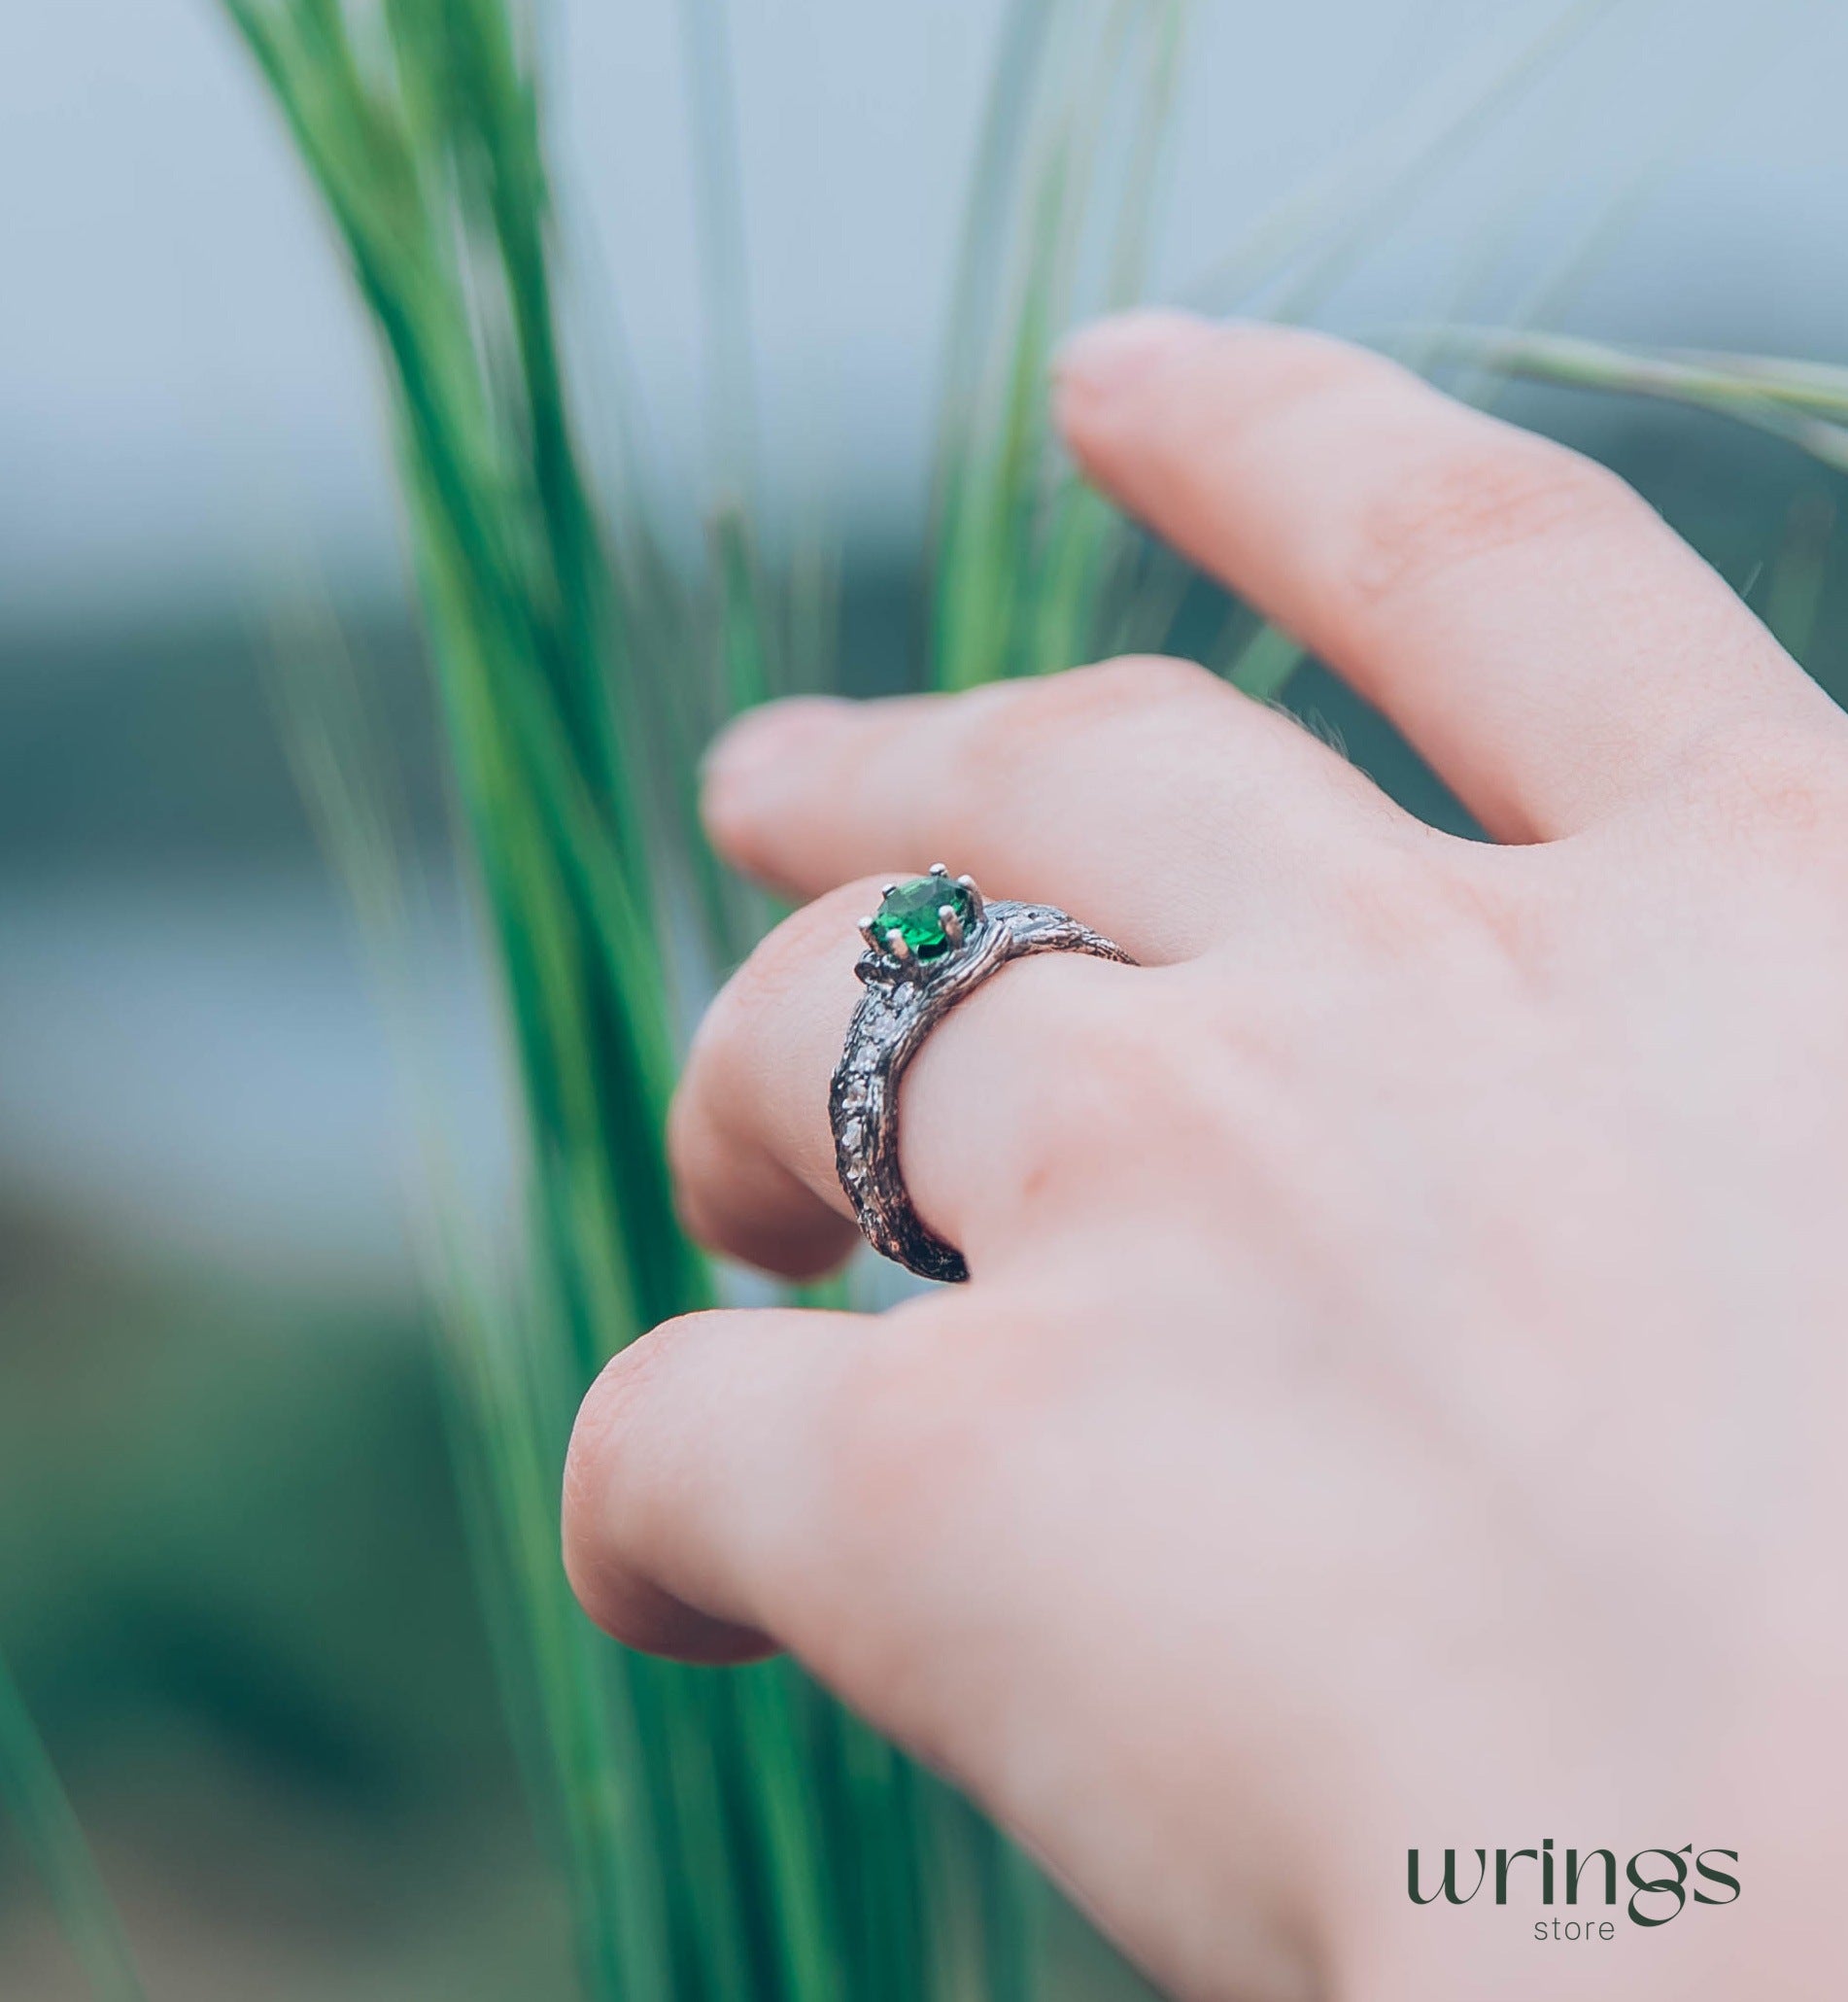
{"x":932,"y":942}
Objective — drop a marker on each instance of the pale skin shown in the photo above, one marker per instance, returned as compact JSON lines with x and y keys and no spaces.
{"x":1399,"y":1398}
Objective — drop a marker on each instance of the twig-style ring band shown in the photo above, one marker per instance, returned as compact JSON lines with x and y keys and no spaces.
{"x":932,"y":942}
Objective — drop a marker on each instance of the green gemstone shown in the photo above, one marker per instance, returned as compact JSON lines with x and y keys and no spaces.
{"x":910,"y":909}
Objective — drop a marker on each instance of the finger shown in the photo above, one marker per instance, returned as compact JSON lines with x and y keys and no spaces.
{"x":928,"y":1508}
{"x":748,"y":1136}
{"x":843,"y":1485}
{"x":987,"y":1108}
{"x":686,"y":1442}
{"x":1143,"y":795}
{"x":1527,"y":619}
{"x":748,"y":1480}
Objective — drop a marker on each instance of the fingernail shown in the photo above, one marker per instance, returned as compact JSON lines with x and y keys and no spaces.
{"x":1109,"y":355}
{"x":744,"y":762}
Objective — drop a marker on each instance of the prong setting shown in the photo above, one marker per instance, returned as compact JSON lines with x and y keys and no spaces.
{"x":922,"y":923}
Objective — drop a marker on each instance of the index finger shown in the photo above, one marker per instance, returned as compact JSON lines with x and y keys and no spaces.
{"x":1527,"y":620}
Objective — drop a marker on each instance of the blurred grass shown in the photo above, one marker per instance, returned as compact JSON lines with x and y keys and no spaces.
{"x":728,"y":1835}
{"x":1804,"y":402}
{"x":234,"y":1593}
{"x":35,"y":1797}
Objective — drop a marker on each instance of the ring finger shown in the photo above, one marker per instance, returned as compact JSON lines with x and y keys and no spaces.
{"x":752,"y":1150}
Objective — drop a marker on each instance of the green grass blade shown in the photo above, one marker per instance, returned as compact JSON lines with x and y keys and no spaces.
{"x":1803,"y":405}
{"x":1344,"y":205}
{"x":1799,"y":574}
{"x":41,"y":1810}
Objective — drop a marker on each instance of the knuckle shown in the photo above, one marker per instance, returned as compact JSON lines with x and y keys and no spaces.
{"x":890,"y":1444}
{"x":1447,"y":917}
{"x":1781,"y":806}
{"x":608,"y":1412}
{"x":1134,"y":681}
{"x":876,"y":1442}
{"x":1474,"y":499}
{"x":1026,"y":724}
{"x":1122,"y":1071}
{"x":623,"y":1503}
{"x":784,"y":961}
{"x":607,"y":1502}
{"x":1800,"y":787}
{"x":917,"y":1438}
{"x":723,"y":1054}
{"x":778,"y":973}
{"x":1393,"y":903}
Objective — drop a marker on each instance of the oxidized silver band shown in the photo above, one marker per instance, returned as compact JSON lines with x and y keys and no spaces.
{"x":932,"y":944}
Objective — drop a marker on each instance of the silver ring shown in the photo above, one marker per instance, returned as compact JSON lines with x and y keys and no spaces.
{"x":930,"y":944}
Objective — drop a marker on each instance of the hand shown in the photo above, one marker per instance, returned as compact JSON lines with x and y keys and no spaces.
{"x":1399,"y":1398}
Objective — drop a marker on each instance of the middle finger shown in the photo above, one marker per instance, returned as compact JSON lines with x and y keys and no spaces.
{"x":1143,"y":795}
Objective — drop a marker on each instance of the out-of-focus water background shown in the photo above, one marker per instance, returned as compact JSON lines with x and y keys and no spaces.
{"x":231,"y":1579}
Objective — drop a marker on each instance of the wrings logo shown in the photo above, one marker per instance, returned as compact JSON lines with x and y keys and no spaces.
{"x":1658,"y":1882}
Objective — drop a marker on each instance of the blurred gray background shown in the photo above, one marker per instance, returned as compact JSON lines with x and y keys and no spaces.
{"x":228,"y":1572}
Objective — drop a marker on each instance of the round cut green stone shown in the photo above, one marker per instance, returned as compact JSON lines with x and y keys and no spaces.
{"x":910,"y":909}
